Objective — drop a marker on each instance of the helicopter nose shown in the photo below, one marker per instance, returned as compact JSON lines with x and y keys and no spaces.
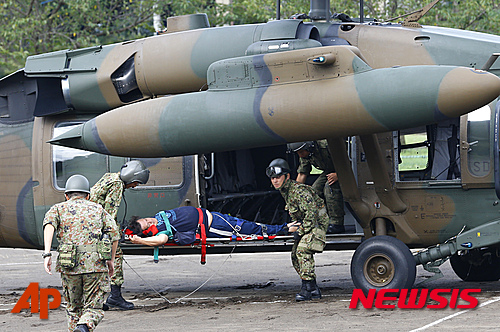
{"x":481,"y":88}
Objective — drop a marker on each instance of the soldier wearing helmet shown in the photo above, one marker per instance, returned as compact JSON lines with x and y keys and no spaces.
{"x":108,"y":192}
{"x":79,"y":226}
{"x":315,"y":153}
{"x":308,"y":209}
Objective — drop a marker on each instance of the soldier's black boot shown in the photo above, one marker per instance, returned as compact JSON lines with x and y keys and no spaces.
{"x":115,"y":299}
{"x":305,"y":291}
{"x":81,"y":328}
{"x":335,"y":229}
{"x":315,"y":293}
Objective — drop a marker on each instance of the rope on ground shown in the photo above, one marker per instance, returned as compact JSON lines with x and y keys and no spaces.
{"x":213,"y":274}
{"x":150,"y":286}
{"x":194,"y":291}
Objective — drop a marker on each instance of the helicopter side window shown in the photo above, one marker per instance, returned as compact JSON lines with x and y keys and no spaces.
{"x":69,"y":161}
{"x":446,"y":154}
{"x":478,"y":141}
{"x":429,"y":153}
{"x":413,"y":154}
{"x":4,"y":109}
{"x":164,"y":172}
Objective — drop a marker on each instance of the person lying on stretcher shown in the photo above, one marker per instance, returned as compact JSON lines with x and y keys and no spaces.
{"x":183,"y":225}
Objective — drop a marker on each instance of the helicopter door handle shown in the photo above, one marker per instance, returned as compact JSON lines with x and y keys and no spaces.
{"x":467,"y":145}
{"x":212,"y":168}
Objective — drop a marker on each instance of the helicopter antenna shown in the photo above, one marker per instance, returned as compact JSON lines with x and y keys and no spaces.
{"x":361,"y":11}
{"x":411,"y":20}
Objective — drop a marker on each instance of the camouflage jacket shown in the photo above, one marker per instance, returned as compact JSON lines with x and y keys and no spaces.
{"x":108,"y":192}
{"x":304,"y":205}
{"x":319,"y":158}
{"x":81,"y":222}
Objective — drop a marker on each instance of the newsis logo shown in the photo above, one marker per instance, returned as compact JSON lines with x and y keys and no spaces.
{"x":39,"y":300}
{"x":414,"y":298}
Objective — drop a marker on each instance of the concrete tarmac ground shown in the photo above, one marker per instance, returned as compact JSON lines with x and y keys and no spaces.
{"x":250,"y":292}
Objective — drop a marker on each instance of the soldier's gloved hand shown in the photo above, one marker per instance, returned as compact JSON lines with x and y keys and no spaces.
{"x":297,"y":236}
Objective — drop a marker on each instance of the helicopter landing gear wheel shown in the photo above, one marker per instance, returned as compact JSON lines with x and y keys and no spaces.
{"x":383,"y":262}
{"x":477,"y":265}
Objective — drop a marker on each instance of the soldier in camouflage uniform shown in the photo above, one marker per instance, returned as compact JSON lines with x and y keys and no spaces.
{"x":108,"y":192}
{"x":80,"y":224}
{"x":306,"y":207}
{"x":315,"y":153}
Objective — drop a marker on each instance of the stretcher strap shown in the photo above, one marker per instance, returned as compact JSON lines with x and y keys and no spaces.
{"x":203,"y":236}
{"x":156,"y":250}
{"x":236,"y":229}
{"x":264,"y":232}
{"x":212,"y":242}
{"x":167,"y":224}
{"x":167,"y":232}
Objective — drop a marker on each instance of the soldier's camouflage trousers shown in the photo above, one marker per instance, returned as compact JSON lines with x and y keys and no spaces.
{"x":84,"y":294}
{"x":117,"y":277}
{"x":303,"y":262}
{"x":334,"y":200}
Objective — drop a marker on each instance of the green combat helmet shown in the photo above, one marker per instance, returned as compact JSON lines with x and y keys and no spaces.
{"x":134,"y":171}
{"x":78,"y":183}
{"x":294,"y":147}
{"x":277,"y":167}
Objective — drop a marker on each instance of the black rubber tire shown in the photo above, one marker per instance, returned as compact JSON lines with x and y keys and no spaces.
{"x":383,"y":262}
{"x":489,"y":270}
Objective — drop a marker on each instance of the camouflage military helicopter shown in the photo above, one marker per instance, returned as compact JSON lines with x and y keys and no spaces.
{"x":207,"y":109}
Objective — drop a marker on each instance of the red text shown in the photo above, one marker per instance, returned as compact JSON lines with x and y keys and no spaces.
{"x":43,"y":305}
{"x":414,"y":298}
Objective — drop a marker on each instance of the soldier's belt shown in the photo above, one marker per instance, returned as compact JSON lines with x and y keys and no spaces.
{"x":87,"y":248}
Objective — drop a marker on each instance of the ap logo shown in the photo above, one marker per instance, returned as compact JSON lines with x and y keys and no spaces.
{"x":39,"y":300}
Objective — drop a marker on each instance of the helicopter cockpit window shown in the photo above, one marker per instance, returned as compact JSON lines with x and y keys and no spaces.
{"x":478,"y":140}
{"x":68,"y":161}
